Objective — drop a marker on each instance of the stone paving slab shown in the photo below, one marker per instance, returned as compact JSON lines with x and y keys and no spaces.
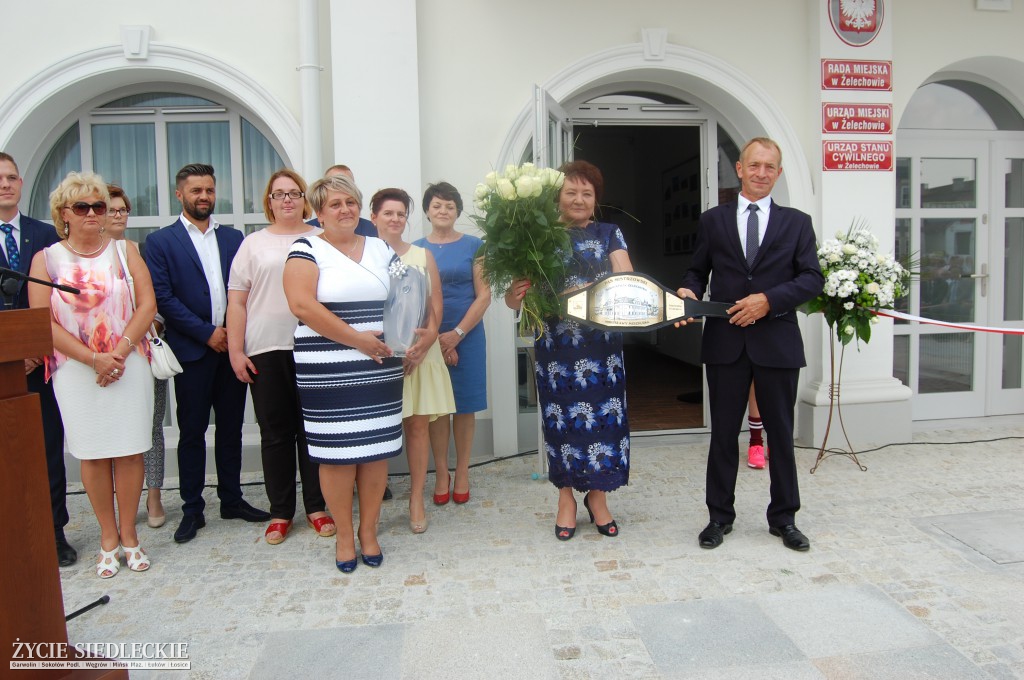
{"x":840,"y":620}
{"x":997,"y":535}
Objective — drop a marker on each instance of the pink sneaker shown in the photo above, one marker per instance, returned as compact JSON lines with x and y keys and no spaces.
{"x":755,"y":457}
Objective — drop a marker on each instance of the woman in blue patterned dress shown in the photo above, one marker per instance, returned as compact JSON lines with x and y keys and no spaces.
{"x":350,"y":385}
{"x":580,"y":377}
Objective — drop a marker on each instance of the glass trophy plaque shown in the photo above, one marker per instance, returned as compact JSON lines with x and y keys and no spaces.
{"x":631,"y":301}
{"x":405,"y":309}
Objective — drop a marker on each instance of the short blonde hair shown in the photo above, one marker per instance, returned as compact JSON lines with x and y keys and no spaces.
{"x":73,"y":187}
{"x":341,"y":183}
{"x":766,"y":142}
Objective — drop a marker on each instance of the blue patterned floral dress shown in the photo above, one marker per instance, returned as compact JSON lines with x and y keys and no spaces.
{"x":581,"y":381}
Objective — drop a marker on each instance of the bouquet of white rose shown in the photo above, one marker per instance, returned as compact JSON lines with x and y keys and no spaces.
{"x":523,"y":237}
{"x":858,"y":279}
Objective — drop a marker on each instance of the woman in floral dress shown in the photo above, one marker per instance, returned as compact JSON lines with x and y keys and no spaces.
{"x":580,"y":375}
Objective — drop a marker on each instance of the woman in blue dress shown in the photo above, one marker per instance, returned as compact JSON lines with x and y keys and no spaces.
{"x":466,"y":297}
{"x":581,"y":381}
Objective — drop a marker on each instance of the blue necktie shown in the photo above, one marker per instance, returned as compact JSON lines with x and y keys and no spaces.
{"x":752,"y":240}
{"x":13,"y":256}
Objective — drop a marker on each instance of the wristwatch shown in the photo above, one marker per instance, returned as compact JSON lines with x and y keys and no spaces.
{"x":459,"y":332}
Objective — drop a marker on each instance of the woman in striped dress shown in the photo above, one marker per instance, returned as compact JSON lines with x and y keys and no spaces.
{"x":350,"y":385}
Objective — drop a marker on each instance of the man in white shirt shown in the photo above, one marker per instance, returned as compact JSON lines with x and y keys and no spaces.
{"x":189,"y":261}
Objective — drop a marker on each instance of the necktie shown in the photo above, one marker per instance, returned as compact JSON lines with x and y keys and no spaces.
{"x":13,"y":257}
{"x":752,"y":240}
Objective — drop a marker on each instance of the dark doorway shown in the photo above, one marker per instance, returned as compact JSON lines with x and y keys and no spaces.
{"x":654,"y":183}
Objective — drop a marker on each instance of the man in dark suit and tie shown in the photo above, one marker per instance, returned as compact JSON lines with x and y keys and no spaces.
{"x":762,"y":257}
{"x":21,"y":237}
{"x":189,"y":261}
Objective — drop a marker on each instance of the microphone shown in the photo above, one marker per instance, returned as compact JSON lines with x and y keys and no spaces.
{"x":15,"y":276}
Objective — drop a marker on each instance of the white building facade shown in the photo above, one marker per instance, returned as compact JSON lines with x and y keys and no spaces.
{"x":924,"y":99}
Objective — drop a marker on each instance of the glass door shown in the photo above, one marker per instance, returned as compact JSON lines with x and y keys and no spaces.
{"x":942,"y":216}
{"x":1006,"y":283}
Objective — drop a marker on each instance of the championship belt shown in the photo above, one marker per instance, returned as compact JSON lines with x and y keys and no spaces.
{"x":631,"y":301}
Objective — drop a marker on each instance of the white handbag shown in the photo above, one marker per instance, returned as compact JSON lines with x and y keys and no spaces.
{"x":162,"y":361}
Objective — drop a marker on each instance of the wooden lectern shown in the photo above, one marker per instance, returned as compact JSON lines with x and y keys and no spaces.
{"x":33,"y":602}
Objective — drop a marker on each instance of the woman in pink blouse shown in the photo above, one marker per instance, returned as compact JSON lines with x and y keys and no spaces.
{"x":260,"y":340}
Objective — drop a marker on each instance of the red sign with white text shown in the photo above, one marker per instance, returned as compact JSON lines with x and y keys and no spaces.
{"x":847,"y":155}
{"x":857,"y":118}
{"x":856,"y":74}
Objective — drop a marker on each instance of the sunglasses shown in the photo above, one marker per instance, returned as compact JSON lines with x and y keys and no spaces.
{"x":81,"y":208}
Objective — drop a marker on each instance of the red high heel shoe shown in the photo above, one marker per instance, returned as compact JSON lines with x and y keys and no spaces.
{"x":443,"y":498}
{"x":460,"y":498}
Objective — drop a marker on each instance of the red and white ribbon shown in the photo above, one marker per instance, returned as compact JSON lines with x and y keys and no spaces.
{"x":893,"y":314}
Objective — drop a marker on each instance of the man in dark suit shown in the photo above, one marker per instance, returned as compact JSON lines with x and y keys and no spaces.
{"x":21,"y":237}
{"x":763,"y":259}
{"x":189,"y":261}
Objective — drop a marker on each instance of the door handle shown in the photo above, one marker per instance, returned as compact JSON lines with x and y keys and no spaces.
{"x":983,"y":276}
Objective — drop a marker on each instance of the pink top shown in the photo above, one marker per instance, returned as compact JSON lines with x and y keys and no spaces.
{"x":258,"y":268}
{"x":97,"y":316}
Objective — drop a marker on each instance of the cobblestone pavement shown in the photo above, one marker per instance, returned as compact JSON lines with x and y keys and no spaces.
{"x":915,"y":570}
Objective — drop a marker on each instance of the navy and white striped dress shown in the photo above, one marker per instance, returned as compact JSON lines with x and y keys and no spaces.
{"x":351,"y":405}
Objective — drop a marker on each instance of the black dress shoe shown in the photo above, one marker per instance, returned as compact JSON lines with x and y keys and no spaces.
{"x":242,"y":510}
{"x":66,"y":555}
{"x":190,"y":525}
{"x":713,"y":534}
{"x":387,"y":493}
{"x":792,"y":537}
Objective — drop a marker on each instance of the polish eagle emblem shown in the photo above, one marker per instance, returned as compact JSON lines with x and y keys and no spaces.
{"x":857,"y":15}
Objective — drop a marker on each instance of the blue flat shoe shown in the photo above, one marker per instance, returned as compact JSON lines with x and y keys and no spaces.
{"x":348,"y":566}
{"x":373,"y":560}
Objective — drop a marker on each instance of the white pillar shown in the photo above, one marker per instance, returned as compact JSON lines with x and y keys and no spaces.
{"x":876,"y":406}
{"x":375,"y":84}
{"x":309,"y":86}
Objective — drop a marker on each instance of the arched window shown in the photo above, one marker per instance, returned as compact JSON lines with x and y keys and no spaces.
{"x":140,"y":141}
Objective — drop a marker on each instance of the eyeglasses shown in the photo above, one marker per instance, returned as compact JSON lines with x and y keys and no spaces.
{"x":118,"y":212}
{"x":81,"y":208}
{"x":280,"y":195}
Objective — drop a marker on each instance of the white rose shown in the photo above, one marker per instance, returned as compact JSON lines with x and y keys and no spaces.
{"x":872,"y":288}
{"x":491,"y":179}
{"x":481,"y":191}
{"x":511,"y":172}
{"x":849,"y":249}
{"x":874,"y":319}
{"x":506,"y":190}
{"x":849,"y":330}
{"x":528,"y":169}
{"x":527,"y":186}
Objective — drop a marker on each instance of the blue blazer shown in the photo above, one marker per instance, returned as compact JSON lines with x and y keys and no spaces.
{"x":35,"y":236}
{"x":786,"y":270}
{"x":182,"y":292}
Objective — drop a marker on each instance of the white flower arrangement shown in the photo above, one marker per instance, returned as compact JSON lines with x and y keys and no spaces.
{"x":523,"y":237}
{"x":858,"y":279}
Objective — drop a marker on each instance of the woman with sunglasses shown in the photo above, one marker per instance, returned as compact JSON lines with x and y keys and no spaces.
{"x":99,"y":368}
{"x":118,"y":209}
{"x":261,"y":332}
